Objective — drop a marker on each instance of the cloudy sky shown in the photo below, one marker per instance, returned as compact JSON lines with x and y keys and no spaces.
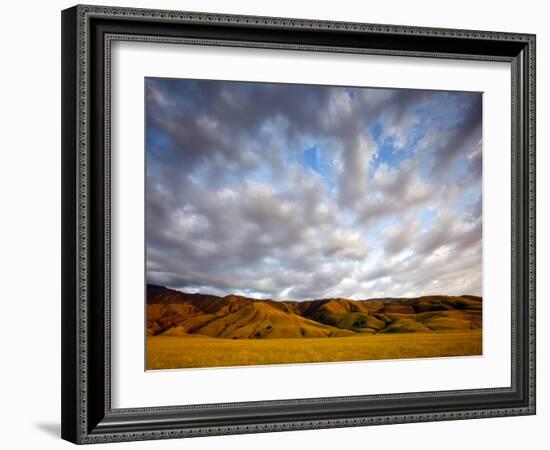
{"x":302,"y":192}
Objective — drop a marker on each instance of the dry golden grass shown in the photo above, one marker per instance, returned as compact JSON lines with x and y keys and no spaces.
{"x":166,"y":352}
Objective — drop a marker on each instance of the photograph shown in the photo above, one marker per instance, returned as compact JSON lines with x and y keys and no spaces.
{"x":278,"y":222}
{"x":301,"y":223}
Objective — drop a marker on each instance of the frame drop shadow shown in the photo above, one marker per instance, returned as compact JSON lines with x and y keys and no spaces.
{"x":51,"y":428}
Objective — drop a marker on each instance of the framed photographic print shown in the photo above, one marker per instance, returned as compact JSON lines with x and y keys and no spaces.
{"x":278,"y":224}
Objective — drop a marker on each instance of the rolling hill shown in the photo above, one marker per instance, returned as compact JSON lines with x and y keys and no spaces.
{"x":174,"y":313}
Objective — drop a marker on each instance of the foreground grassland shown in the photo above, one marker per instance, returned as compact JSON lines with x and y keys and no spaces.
{"x":166,"y":352}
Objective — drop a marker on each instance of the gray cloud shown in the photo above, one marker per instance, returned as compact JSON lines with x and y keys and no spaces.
{"x":400,"y":238}
{"x":233,"y":206}
{"x":449,"y":142}
{"x":447,"y":256}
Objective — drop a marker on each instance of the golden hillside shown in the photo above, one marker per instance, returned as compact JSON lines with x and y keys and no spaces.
{"x":174,"y":313}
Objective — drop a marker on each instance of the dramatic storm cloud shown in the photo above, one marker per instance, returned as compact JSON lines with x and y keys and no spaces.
{"x":301,"y":192}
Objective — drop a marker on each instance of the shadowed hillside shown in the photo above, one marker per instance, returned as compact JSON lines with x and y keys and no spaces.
{"x":173,"y":313}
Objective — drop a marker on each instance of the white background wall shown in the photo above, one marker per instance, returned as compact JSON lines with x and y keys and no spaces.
{"x":30,"y":223}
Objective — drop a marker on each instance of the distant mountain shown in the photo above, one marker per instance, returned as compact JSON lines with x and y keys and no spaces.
{"x":174,"y":313}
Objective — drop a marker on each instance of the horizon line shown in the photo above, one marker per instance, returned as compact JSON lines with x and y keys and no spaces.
{"x":313,"y":299}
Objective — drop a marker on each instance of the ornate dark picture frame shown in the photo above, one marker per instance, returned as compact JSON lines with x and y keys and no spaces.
{"x":87,"y":34}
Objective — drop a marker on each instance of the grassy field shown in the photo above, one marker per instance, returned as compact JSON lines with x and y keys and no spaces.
{"x":165,"y":352}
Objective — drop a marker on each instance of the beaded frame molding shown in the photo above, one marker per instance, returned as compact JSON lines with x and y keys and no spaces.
{"x":87,"y":35}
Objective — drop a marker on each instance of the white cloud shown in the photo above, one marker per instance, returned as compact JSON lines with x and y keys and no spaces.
{"x":233,"y":206}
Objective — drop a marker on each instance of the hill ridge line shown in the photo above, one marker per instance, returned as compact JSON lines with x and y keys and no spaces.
{"x":176,"y":313}
{"x":326,"y":299}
